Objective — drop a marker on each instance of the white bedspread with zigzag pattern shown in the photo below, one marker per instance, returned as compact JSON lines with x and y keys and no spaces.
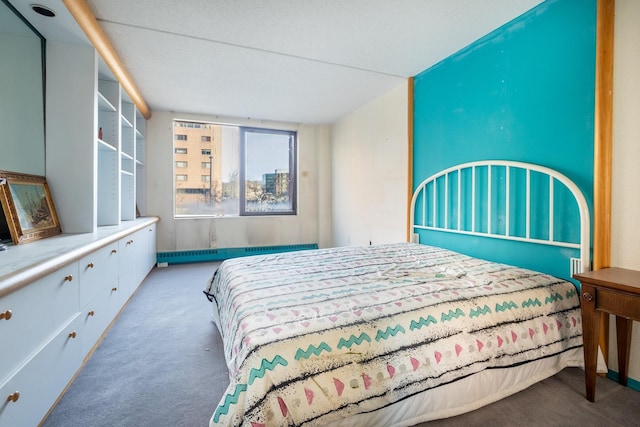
{"x":315,"y":336}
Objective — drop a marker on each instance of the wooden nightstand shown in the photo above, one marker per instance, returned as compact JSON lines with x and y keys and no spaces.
{"x":614,"y":291}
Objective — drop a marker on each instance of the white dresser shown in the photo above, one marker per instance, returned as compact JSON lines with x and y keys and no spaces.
{"x":58,"y":297}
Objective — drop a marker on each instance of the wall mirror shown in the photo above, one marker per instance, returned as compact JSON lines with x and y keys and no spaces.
{"x":22,"y":76}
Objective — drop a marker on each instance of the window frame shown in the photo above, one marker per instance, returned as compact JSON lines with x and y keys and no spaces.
{"x":242,"y":169}
{"x":293,"y":184}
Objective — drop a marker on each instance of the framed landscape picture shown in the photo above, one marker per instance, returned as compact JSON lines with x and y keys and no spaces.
{"x":28,"y":207}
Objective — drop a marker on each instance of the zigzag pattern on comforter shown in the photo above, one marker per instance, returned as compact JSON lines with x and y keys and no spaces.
{"x":313,"y":336}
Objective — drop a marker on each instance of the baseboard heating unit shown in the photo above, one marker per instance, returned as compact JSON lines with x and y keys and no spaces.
{"x":220,"y":254}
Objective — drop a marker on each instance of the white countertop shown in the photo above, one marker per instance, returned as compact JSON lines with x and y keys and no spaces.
{"x":22,"y":264}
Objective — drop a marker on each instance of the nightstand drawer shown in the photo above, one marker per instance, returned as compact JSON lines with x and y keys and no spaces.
{"x":618,"y":303}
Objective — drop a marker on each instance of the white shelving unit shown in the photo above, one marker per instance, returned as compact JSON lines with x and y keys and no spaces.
{"x":127,"y":159}
{"x":95,"y":142}
{"x":140,"y":176}
{"x":65,"y":290}
{"x":108,"y":147}
{"x":120,"y":155}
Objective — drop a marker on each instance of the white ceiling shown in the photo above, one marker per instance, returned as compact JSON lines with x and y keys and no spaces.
{"x":304,"y":61}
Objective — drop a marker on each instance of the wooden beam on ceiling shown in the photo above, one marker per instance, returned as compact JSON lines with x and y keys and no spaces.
{"x":83,"y":15}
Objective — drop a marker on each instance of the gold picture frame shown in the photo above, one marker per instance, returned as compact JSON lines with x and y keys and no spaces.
{"x":28,"y":207}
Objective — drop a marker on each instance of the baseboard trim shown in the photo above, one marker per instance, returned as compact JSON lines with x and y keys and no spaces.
{"x":631,"y":383}
{"x":220,"y":254}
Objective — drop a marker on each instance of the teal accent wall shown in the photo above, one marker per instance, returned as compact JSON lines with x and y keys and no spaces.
{"x":524,"y":92}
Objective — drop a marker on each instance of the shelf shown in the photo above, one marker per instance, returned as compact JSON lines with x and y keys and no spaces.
{"x":105,"y":146}
{"x":127,"y":165}
{"x":128,"y":113}
{"x":120,"y":154}
{"x":104,"y":104}
{"x":96,"y":123}
{"x":125,"y":123}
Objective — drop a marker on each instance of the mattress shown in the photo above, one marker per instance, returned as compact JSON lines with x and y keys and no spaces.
{"x":338,"y":336}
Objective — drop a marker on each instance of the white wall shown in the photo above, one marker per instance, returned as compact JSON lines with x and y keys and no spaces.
{"x":625,"y":197}
{"x":370,"y":172}
{"x":312,"y":224}
{"x":71,"y":154}
{"x":21,"y":112}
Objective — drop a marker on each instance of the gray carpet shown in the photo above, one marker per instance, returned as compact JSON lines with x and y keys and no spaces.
{"x":161,"y":364}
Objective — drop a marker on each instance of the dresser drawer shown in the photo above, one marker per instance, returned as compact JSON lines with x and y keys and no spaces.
{"x":98,"y":271}
{"x":128,"y":262}
{"x":27,"y":396}
{"x":98,"y":314}
{"x":34,"y":313}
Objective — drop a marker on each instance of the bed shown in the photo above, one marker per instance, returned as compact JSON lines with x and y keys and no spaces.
{"x":402,"y":333}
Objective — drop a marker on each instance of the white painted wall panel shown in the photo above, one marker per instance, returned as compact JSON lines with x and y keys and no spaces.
{"x":21,"y":112}
{"x":370,"y":172}
{"x":71,"y":131}
{"x":625,"y":209}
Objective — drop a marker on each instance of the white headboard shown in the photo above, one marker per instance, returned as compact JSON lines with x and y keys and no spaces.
{"x":437,"y":190}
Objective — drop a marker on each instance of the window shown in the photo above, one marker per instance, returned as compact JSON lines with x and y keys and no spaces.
{"x":181,"y":151}
{"x":181,"y":164}
{"x":268,"y":162}
{"x":253,"y":172}
{"x":181,"y":137}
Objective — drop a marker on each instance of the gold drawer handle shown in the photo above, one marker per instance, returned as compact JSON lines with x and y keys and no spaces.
{"x":114,"y":289}
{"x":587,"y":296}
{"x":6,"y":315}
{"x":90,"y":265}
{"x":114,"y":251}
{"x":73,"y":334}
{"x":68,"y":278}
{"x":129,"y":242}
{"x":91,"y":313}
{"x":13,"y":397}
